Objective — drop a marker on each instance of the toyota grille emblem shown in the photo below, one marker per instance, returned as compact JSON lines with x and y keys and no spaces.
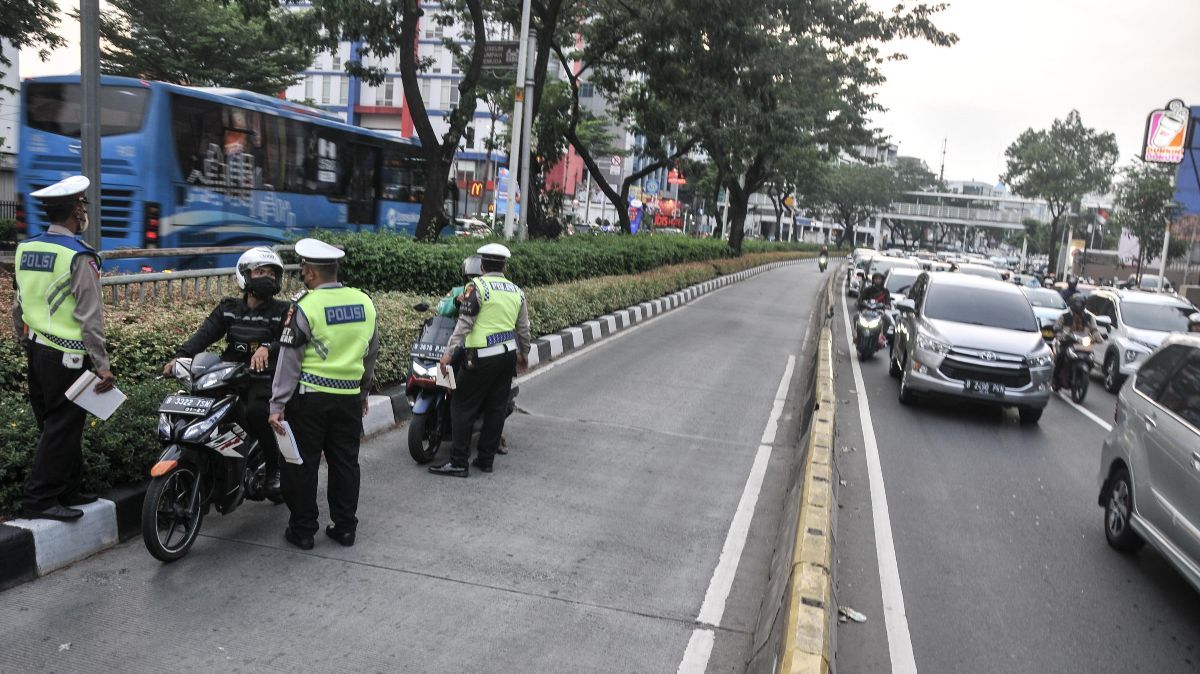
{"x":987,"y":355}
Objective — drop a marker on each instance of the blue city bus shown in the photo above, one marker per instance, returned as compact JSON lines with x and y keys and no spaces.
{"x":185,"y":167}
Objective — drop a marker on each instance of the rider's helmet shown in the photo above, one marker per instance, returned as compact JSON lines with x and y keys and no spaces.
{"x":472,"y":267}
{"x":1194,"y":322}
{"x":824,"y":250}
{"x":255,"y":258}
{"x":1076,"y":304}
{"x":877,"y":279}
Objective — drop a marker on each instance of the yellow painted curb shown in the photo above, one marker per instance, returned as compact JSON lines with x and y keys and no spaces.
{"x":808,"y":635}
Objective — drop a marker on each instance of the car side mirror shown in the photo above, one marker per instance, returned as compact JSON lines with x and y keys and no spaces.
{"x":907,"y":306}
{"x":1104,"y":322}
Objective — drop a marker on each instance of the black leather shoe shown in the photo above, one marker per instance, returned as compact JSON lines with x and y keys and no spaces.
{"x":450,"y":470}
{"x":302,"y":542}
{"x":343,"y":536}
{"x":485,"y":468}
{"x":78,"y":499}
{"x":54,"y":512}
{"x":272,"y":486}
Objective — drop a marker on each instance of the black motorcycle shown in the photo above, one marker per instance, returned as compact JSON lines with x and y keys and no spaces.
{"x":209,"y":459}
{"x":1076,"y":372}
{"x":822,"y":262}
{"x":867,"y":328}
{"x":430,"y":423}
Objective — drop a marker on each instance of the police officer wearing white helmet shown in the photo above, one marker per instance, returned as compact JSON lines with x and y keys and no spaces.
{"x":251,"y":326}
{"x":493,"y":328}
{"x":58,"y":318}
{"x":326,"y":368}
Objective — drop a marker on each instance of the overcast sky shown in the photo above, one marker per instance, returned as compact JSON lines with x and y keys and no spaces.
{"x":1018,"y":64}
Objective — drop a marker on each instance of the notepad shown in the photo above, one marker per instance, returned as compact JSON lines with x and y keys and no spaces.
{"x":83,"y":393}
{"x":287,"y":445}
{"x":444,"y":380}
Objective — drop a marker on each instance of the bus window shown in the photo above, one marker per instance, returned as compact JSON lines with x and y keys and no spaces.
{"x":361,"y":188}
{"x":403,"y":175}
{"x":199,"y":141}
{"x":55,"y":108}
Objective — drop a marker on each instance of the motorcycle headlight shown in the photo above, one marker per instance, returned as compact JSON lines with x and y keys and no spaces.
{"x":927,"y":343}
{"x":869,"y":323}
{"x":210,"y":380}
{"x":1086,"y":341}
{"x":198,"y":431}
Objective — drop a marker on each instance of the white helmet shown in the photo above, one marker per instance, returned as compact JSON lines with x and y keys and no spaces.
{"x":255,"y":258}
{"x":472,"y":266}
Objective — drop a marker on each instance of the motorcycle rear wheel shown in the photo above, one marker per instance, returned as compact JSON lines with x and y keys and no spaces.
{"x":1079,"y":384}
{"x":424,"y":436}
{"x":172,"y":513}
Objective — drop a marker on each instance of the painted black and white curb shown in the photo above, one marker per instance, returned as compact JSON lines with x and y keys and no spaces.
{"x":32,"y":548}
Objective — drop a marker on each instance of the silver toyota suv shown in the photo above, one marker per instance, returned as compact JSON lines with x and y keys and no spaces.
{"x":1139,"y":323}
{"x":1150,"y":465}
{"x":969,"y":337}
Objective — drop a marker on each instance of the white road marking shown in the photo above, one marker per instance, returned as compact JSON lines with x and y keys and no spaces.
{"x":895,"y":619}
{"x":699,"y":649}
{"x":1085,"y":412}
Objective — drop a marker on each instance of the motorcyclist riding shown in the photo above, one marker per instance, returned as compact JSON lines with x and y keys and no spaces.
{"x":876,"y":291}
{"x":823,"y":257}
{"x":1075,"y":319}
{"x":251,"y":326}
{"x":1072,"y":288}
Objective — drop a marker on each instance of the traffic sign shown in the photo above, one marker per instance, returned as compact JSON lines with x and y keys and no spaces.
{"x":614,"y":166}
{"x":651,"y":186}
{"x":500,"y":55}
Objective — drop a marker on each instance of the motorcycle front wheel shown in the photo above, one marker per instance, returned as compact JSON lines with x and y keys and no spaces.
{"x":1079,"y":384}
{"x":424,"y":436}
{"x":172,"y":513}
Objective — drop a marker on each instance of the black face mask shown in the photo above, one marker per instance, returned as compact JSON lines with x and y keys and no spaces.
{"x":263,"y":287}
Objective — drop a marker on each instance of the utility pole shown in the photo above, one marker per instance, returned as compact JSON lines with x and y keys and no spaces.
{"x":1162,"y":264}
{"x":515,"y":157}
{"x":89,"y":137}
{"x":526,"y":132}
{"x":942,"y":172}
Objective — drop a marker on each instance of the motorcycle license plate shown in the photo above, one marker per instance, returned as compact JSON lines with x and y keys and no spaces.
{"x":984,"y":387}
{"x":190,"y":405}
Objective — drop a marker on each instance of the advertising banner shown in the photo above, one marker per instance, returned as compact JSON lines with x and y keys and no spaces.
{"x":1166,"y":134}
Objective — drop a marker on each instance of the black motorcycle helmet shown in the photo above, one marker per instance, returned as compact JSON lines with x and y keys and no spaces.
{"x":877,"y":279}
{"x":1076,"y":304}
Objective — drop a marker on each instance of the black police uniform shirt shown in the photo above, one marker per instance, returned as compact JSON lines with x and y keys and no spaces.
{"x":243,"y":328}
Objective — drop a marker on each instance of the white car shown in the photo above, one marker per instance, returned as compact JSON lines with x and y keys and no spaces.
{"x":1139,"y":322}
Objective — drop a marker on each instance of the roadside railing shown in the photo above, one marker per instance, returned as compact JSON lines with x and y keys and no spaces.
{"x":170,"y":286}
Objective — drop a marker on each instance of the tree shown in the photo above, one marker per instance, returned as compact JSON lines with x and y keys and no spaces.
{"x":385,"y":28}
{"x":29,"y":23}
{"x":206,"y":43}
{"x":1146,"y":205}
{"x":1061,"y":164}
{"x":855,"y":192}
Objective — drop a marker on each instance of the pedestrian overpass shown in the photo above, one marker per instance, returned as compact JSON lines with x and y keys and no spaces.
{"x":923,"y":211}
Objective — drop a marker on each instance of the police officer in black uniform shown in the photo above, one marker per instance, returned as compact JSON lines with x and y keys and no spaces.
{"x":58,"y":318}
{"x":251,"y":326}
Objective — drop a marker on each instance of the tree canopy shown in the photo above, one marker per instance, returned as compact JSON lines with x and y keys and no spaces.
{"x":29,"y":23}
{"x":200,"y":43}
{"x":1146,"y":205}
{"x":1061,"y":164}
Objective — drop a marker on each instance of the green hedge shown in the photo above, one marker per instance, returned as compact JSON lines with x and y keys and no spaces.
{"x":387,"y":262}
{"x":142,"y":338}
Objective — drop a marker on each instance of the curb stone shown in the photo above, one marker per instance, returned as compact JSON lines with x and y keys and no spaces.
{"x":34,"y":548}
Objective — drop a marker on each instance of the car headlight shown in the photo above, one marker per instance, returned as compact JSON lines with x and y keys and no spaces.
{"x":927,"y":343}
{"x":1131,"y":355}
{"x":1039,"y":359}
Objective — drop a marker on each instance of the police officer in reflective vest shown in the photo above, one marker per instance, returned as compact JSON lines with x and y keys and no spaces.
{"x":325,"y":370}
{"x":493,"y":326}
{"x":57,"y":314}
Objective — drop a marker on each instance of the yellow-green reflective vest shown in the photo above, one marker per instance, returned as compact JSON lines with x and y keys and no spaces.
{"x":44,"y":284}
{"x":499,"y":305}
{"x":342,"y":321}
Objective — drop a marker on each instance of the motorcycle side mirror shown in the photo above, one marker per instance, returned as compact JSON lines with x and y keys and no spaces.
{"x":906,"y":305}
{"x":422,"y":307}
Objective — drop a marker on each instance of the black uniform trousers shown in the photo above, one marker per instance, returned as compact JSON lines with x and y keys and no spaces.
{"x":256,"y":407}
{"x":328,"y":424}
{"x":482,"y":390}
{"x":58,"y":464}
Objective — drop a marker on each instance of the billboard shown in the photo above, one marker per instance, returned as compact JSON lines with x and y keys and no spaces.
{"x":1166,"y":134}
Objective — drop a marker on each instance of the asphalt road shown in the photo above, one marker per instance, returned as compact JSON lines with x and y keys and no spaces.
{"x":998,"y":542}
{"x":591,"y":548}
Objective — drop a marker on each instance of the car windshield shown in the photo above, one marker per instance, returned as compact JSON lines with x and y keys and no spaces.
{"x":1045,"y":299}
{"x":1159,"y":317}
{"x":900,"y":281}
{"x":883,"y":265}
{"x":979,"y":306}
{"x":985,"y":272}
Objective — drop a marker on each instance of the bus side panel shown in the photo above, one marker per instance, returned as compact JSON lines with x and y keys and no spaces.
{"x":398,"y":217}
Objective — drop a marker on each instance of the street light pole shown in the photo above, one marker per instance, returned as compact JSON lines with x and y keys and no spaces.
{"x":526,"y":135}
{"x":515,"y":157}
{"x":89,"y":137}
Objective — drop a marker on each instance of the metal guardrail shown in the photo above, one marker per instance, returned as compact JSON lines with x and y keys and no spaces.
{"x":168,"y":286}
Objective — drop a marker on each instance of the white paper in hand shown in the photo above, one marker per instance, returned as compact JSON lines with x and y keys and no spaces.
{"x":446,"y":380}
{"x":83,"y":393}
{"x":287,"y":445}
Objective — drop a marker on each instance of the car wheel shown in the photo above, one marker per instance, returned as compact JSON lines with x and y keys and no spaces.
{"x":1112,"y":374}
{"x":1118,"y":513}
{"x":1030,"y":415}
{"x":906,"y":396}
